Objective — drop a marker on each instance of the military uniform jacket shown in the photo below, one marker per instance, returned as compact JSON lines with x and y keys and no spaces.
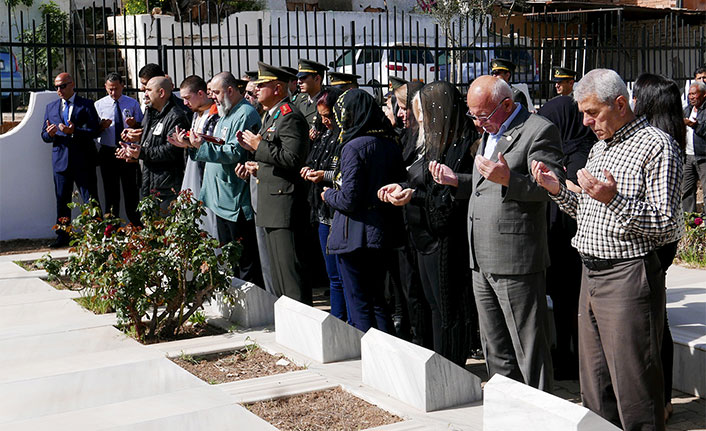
{"x":280,"y":155}
{"x":307,"y":108}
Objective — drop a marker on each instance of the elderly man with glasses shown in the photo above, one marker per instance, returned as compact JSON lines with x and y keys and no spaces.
{"x":507,"y":229}
{"x":70,"y":125}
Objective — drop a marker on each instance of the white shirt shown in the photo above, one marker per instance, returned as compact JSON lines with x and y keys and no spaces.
{"x":129,"y":107}
{"x":690,"y":134}
{"x":493,"y":139}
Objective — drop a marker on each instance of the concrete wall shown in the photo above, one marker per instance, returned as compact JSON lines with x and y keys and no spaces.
{"x":281,"y":29}
{"x":27,"y":202}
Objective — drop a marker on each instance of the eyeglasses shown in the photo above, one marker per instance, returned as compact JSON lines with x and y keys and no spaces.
{"x":250,"y":93}
{"x":63,"y":86}
{"x":485,"y":118}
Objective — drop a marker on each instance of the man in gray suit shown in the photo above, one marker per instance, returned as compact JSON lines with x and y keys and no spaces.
{"x":507,"y":230}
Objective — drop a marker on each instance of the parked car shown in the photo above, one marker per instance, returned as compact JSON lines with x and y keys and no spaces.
{"x":471,"y":63}
{"x":10,"y":75}
{"x":409,"y":61}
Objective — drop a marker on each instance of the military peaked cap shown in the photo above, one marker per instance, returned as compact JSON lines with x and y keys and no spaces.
{"x":562,"y":73}
{"x":291,"y":70}
{"x":252,"y":74}
{"x":502,"y":64}
{"x":339,"y":78}
{"x":307,"y":67}
{"x":267,"y":73}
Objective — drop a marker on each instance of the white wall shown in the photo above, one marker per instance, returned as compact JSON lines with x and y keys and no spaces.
{"x":315,"y":30}
{"x":27,"y":199}
{"x":27,"y":202}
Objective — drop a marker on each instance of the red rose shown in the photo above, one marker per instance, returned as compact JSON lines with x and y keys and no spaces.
{"x":109,"y":230}
{"x":698,"y":221}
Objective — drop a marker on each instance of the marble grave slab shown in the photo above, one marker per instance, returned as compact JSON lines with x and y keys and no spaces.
{"x":415,"y":375}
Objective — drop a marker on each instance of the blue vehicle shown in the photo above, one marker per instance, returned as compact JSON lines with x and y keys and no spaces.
{"x":10,"y":76}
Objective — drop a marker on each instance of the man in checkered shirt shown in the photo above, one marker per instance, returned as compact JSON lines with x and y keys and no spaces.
{"x":628,"y":204}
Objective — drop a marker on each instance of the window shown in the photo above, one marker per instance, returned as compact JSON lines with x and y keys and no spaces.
{"x":346,"y":59}
{"x":369,"y":56}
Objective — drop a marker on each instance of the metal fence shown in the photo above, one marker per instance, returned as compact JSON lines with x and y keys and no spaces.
{"x":93,"y":42}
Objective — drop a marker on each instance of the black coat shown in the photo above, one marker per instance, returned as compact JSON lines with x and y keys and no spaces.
{"x":163,"y":163}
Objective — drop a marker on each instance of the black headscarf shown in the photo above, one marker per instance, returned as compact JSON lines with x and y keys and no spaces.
{"x":443,"y":118}
{"x":357,"y":114}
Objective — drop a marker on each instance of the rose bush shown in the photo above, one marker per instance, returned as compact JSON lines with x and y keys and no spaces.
{"x":155,"y":276}
{"x":692,"y":247}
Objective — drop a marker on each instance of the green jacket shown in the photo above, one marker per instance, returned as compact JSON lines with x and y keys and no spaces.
{"x":221,"y":190}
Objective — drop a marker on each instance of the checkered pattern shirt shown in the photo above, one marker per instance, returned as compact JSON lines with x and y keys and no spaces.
{"x":646,"y":211}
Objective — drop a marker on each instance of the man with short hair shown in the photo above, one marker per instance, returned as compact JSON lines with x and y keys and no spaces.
{"x":280,"y":150}
{"x":507,"y":230}
{"x":695,"y":161}
{"x":700,"y":74}
{"x":628,"y":205}
{"x":117,"y":112}
{"x":70,"y":125}
{"x":311,"y":77}
{"x":162,"y":163}
{"x":222,"y":191}
{"x":563,"y":80}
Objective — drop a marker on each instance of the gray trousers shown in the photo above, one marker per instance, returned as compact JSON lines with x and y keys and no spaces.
{"x":261,"y":242}
{"x":512,"y":312}
{"x":693,"y":172}
{"x":621,"y":316}
{"x":285,"y":265}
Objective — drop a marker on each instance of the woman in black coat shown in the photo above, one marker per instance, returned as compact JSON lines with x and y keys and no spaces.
{"x":364,"y":229}
{"x":437,"y":221}
{"x":321,"y":166}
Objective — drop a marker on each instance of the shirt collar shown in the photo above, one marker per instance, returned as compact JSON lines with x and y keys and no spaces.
{"x":627,"y":130}
{"x":71,"y":99}
{"x":508,"y":121}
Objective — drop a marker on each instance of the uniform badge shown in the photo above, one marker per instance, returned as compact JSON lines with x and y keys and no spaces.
{"x":285,"y":109}
{"x":271,"y":129}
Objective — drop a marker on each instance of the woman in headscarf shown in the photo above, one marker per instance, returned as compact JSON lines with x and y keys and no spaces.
{"x":408,"y":141}
{"x":321,"y":166}
{"x":437,"y":221}
{"x":363,"y":228}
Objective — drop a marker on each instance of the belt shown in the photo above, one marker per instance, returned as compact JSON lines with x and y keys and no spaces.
{"x":597,"y":264}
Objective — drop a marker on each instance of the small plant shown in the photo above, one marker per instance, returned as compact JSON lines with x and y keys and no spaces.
{"x":188,"y":358}
{"x":198,"y":318}
{"x":692,"y":247}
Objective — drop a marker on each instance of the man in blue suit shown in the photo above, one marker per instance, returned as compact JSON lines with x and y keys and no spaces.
{"x":70,"y":125}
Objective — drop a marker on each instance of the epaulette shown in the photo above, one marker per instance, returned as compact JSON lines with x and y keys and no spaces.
{"x":285,"y":109}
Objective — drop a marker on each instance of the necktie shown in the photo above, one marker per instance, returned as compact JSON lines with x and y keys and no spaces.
{"x":65,"y":113}
{"x":118,"y":117}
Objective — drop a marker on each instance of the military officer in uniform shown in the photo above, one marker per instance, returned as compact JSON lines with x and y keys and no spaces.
{"x":279,"y":152}
{"x":293,"y":83}
{"x":504,"y":68}
{"x":311,"y":79}
{"x":343,"y":81}
{"x":563,"y":80}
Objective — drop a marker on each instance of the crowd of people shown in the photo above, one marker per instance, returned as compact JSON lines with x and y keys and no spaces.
{"x":447,"y":220}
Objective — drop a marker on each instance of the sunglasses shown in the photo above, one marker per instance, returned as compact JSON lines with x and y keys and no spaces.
{"x":250,"y":93}
{"x":63,"y":86}
{"x":485,"y":118}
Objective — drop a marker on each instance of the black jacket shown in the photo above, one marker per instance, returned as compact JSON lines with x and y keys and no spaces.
{"x":163,"y":163}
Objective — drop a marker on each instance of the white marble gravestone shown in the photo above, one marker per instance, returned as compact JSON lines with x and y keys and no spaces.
{"x":250,"y":306}
{"x":314,"y":333}
{"x":415,"y":375}
{"x":511,"y":405}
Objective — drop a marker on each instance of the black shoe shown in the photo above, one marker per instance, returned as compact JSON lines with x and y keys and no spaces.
{"x":60,"y":242}
{"x":477,"y":354}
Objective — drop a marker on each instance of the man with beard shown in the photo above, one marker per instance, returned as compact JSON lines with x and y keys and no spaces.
{"x":162,"y":163}
{"x":222,"y":191}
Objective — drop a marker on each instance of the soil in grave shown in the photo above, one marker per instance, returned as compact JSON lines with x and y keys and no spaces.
{"x":329,"y":410}
{"x":224,"y":367}
{"x":18,"y":246}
